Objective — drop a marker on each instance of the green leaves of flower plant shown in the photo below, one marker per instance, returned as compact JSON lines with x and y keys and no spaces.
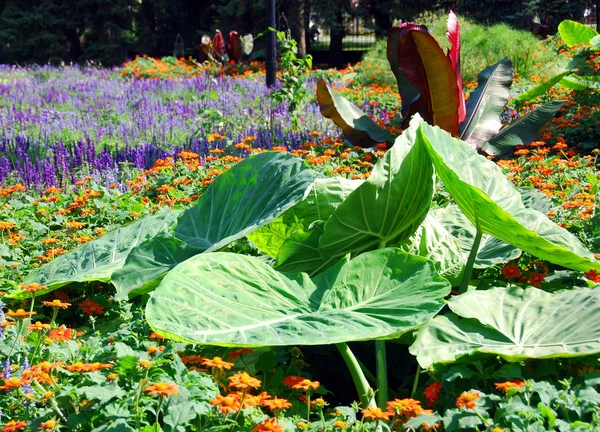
{"x":98,"y":259}
{"x":493,"y":204}
{"x":237,"y":300}
{"x":574,"y":33}
{"x":357,"y":127}
{"x":252,"y":193}
{"x":514,"y":323}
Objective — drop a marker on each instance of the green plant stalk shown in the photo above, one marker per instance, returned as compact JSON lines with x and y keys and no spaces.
{"x":416,"y":383}
{"x":382,"y":382}
{"x":467,"y":272}
{"x":360,"y":381}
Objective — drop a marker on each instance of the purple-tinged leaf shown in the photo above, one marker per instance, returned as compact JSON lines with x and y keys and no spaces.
{"x":423,"y":62}
{"x":235,"y":46}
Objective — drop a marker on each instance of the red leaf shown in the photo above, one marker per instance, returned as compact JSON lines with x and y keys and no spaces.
{"x":428,"y":69}
{"x":453,"y":35}
{"x":235,"y":46}
{"x":219,"y":44}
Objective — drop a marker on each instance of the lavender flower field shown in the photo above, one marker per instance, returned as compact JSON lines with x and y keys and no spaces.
{"x":57,"y":124}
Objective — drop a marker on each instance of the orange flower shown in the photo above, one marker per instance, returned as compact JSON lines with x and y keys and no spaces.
{"x":509,"y":384}
{"x":408,"y":407}
{"x":376,"y":414}
{"x":227,"y":404}
{"x":511,"y":271}
{"x":6,"y":225}
{"x":269,"y":425}
{"x":33,"y":287}
{"x":592,"y":275}
{"x":90,"y":307}
{"x":14,"y":383}
{"x":192,"y":359}
{"x":56,"y":303}
{"x":88,"y":367}
{"x":49,"y":425}
{"x":218,"y":363}
{"x":61,"y":334}
{"x":13,"y":426}
{"x":306,"y":385}
{"x":242,"y":380}
{"x":277,"y":404}
{"x":432,"y":393}
{"x":19,"y":314}
{"x":536,"y":279}
{"x":468,"y":399}
{"x":162,"y":389}
{"x":292,"y":380}
{"x":234,"y":355}
{"x":145,"y":364}
{"x":38,"y":326}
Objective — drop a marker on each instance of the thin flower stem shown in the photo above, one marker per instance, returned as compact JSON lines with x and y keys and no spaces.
{"x":416,"y":383}
{"x":467,"y":272}
{"x":308,"y":406}
{"x":358,"y":376}
{"x":160,"y":402}
{"x":382,"y":382}
{"x":240,"y":410}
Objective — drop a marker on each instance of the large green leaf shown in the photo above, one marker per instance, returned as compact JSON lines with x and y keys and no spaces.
{"x":421,"y":59}
{"x":325,"y":196}
{"x":493,"y":204}
{"x":524,"y":130}
{"x":574,"y":33}
{"x":389,"y":206}
{"x":148,"y":262}
{"x":486,"y":104}
{"x":433,"y":241}
{"x":357,"y":127}
{"x":237,"y":300}
{"x":98,"y":259}
{"x":543,"y":88}
{"x":514,"y":323}
{"x":248,"y":195}
{"x":491,"y":250}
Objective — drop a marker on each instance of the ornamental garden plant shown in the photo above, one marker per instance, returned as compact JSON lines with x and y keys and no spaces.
{"x":223,"y":269}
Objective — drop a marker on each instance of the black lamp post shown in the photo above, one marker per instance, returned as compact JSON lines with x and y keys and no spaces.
{"x":271,"y":44}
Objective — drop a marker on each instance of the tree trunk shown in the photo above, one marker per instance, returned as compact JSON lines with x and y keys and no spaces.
{"x":336,"y":47}
{"x":297,"y":25}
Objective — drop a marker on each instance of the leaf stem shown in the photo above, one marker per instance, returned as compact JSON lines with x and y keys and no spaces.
{"x":416,"y":383}
{"x":358,"y":376}
{"x":467,"y":272}
{"x":382,"y":382}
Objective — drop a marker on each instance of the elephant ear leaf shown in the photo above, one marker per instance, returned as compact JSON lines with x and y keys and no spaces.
{"x":453,"y":35}
{"x":574,"y":33}
{"x":237,"y":300}
{"x":514,"y":323}
{"x":486,"y":104}
{"x":99,"y":258}
{"x":389,"y":206}
{"x":247,"y":196}
{"x":357,"y":127}
{"x":493,"y":204}
{"x":326,"y":194}
{"x":423,"y":62}
{"x":524,"y":130}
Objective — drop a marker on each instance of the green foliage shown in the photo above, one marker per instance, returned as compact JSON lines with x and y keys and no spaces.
{"x":292,"y":70}
{"x":514,"y":323}
{"x":232,"y":300}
